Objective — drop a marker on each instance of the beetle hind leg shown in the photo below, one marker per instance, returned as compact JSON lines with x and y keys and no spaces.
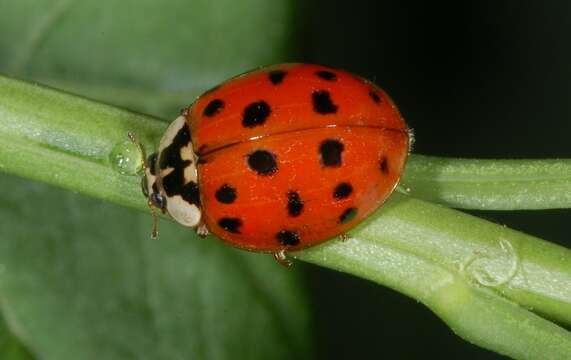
{"x":202,"y":230}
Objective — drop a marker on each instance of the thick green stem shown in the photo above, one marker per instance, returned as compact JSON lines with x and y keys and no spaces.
{"x":494,"y":286}
{"x":72,"y":142}
{"x":488,"y":282}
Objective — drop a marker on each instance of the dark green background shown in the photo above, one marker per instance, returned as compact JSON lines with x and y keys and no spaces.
{"x":482,"y":79}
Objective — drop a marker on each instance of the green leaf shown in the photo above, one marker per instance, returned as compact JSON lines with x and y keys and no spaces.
{"x":10,"y":346}
{"x":153,"y":56}
{"x":82,"y":279}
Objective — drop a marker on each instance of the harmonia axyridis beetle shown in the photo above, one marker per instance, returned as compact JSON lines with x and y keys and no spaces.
{"x":280,"y":158}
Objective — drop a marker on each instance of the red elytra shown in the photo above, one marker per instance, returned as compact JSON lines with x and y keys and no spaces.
{"x":294,"y":154}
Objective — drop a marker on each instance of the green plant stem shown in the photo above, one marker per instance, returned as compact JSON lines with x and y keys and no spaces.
{"x":494,"y":286}
{"x":490,"y":184}
{"x":72,"y":142}
{"x":480,"y":278}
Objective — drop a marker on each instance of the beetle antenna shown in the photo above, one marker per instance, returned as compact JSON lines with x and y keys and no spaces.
{"x":134,"y":140}
{"x":145,"y":166}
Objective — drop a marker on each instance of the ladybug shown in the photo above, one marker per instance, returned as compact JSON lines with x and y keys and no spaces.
{"x":280,"y":158}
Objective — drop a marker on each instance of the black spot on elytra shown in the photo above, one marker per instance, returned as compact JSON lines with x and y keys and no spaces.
{"x":170,"y":156}
{"x":288,"y":238}
{"x":348,"y":215}
{"x":190,"y":193}
{"x":213,"y":108}
{"x":231,"y":225}
{"x":322,"y":102}
{"x":384,"y":165}
{"x":374,"y":96}
{"x":294,"y":204}
{"x":256,"y":114}
{"x":330,"y":151}
{"x":226,"y":194}
{"x":276,"y":76}
{"x":342,"y":191}
{"x":263,"y":162}
{"x":326,"y":75}
{"x":152,"y":163}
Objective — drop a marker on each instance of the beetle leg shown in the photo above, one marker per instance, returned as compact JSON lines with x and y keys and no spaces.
{"x":154,"y":230}
{"x":202,"y":230}
{"x":280,"y":257}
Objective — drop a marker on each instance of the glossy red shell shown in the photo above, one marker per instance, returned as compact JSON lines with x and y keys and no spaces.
{"x":361,"y":122}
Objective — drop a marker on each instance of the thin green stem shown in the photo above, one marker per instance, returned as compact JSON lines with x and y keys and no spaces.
{"x":494,"y":286}
{"x":490,"y":184}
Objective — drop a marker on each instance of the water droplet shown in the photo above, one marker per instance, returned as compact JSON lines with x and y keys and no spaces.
{"x":125,"y":158}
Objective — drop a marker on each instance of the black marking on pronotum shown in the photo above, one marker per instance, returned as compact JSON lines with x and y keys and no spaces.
{"x":322,"y":103}
{"x":330,"y":151}
{"x":348,"y":215}
{"x":226,"y":194}
{"x":152,"y":163}
{"x":170,"y":156}
{"x":276,"y":76}
{"x":384,"y":165}
{"x":288,"y":238}
{"x":213,"y":108}
{"x":262,"y":162}
{"x":294,"y":204}
{"x":374,"y":96}
{"x":174,"y":183}
{"x":256,"y":114}
{"x":190,"y":193}
{"x":326,"y":75}
{"x":232,"y":225}
{"x":342,"y":191}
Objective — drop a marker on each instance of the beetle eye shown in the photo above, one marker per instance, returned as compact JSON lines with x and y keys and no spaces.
{"x":158,"y":200}
{"x":144,"y":186}
{"x":152,"y":162}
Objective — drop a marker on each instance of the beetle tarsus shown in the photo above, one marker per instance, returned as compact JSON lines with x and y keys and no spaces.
{"x":281,"y":258}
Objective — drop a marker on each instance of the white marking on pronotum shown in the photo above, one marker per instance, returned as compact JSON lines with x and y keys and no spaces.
{"x":182,"y":211}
